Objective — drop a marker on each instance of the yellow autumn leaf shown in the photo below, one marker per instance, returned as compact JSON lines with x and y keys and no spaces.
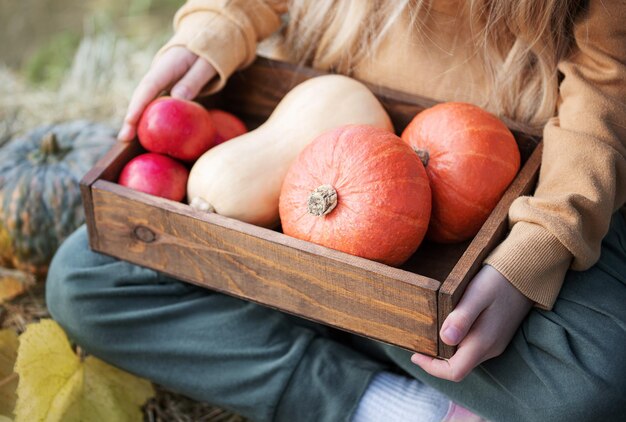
{"x":13,"y":283}
{"x":5,"y":419}
{"x":57,"y":385}
{"x":8,"y":378}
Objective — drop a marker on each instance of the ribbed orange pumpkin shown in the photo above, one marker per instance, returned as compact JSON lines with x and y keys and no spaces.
{"x":470,"y":157}
{"x":358,"y":189}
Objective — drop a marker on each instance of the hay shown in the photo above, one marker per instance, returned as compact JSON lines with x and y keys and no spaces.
{"x":104,"y":72}
{"x":168,"y":406}
{"x":25,"y":309}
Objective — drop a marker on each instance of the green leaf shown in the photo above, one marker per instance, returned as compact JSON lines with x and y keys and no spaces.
{"x":57,"y":385}
{"x":8,"y":378}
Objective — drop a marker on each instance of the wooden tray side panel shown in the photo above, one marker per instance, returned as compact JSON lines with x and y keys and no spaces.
{"x":492,"y":232}
{"x":255,"y":91}
{"x":137,"y":228}
{"x":107,"y":168}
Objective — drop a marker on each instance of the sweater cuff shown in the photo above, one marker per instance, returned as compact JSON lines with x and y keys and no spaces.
{"x":216,"y":39}
{"x":534,"y":261}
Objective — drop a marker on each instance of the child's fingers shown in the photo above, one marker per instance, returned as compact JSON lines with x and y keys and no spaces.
{"x":458,"y":323}
{"x":169,"y":68}
{"x":189,"y":86}
{"x":149,"y":87}
{"x":471,"y":353}
{"x":127,"y":133}
{"x":460,"y":320}
{"x":454,"y":369}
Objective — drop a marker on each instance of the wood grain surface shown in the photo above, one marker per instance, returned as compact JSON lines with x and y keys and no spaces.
{"x":255,"y":91}
{"x":267,"y":267}
{"x":107,"y":168}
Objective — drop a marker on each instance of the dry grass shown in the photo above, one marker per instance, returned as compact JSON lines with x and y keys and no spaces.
{"x":168,"y":406}
{"x":104,"y":72}
{"x":24,"y":309}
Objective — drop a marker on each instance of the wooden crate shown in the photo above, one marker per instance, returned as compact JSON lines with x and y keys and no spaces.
{"x":401,"y":306}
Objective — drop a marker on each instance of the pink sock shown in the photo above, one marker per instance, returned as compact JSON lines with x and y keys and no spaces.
{"x":457,"y":413}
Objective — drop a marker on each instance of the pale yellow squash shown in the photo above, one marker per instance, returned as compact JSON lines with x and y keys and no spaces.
{"x":242,"y":178}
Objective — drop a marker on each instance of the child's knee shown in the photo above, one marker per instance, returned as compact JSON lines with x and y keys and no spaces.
{"x":76,"y":254}
{"x":73,"y":257}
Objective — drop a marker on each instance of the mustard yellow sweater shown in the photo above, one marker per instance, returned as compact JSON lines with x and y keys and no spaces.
{"x":583,"y":175}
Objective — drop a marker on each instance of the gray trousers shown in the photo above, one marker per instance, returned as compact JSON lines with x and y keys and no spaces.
{"x":567,"y":364}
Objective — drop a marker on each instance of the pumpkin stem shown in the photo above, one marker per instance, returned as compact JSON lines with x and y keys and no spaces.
{"x":423,"y":155}
{"x":322,"y":200}
{"x":200,"y":204}
{"x":49,"y":144}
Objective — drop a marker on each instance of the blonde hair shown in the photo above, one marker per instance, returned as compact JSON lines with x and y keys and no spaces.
{"x":521,"y":43}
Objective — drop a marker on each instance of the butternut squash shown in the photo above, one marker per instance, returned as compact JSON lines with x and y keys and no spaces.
{"x":242,"y":178}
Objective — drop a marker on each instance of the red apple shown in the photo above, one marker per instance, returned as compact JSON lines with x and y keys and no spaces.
{"x":179,"y":128}
{"x":228,"y":125}
{"x":157,"y":175}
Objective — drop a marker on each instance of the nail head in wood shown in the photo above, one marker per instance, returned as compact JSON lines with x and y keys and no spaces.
{"x":144,"y":234}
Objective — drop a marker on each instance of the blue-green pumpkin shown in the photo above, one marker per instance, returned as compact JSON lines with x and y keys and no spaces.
{"x":40,"y":202}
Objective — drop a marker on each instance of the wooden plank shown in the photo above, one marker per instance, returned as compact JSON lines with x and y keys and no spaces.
{"x":492,"y":233}
{"x":257,"y":264}
{"x":108,"y":168}
{"x":111,"y":163}
{"x":255,"y":91}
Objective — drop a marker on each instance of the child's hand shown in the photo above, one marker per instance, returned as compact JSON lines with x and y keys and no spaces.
{"x":482,"y":325}
{"x":177,"y":68}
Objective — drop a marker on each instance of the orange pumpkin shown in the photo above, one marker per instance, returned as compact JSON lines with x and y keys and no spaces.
{"x":358,"y":189}
{"x":470,"y":157}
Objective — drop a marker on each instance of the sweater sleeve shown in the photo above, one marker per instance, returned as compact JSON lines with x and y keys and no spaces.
{"x":583,"y":172}
{"x":225,"y":32}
